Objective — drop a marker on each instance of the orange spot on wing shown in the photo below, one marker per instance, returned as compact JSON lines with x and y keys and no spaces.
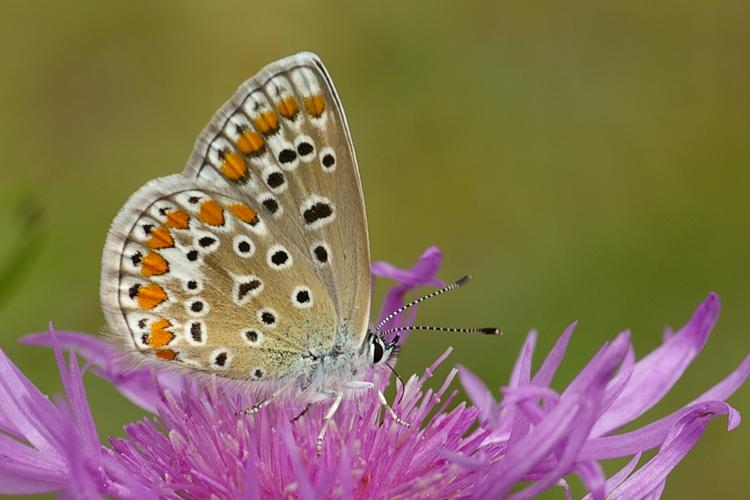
{"x":244,"y":213}
{"x":315,"y":105}
{"x":160,"y":238}
{"x":167,"y":354}
{"x":159,"y":336}
{"x":288,"y":107}
{"x":177,"y":219}
{"x":150,"y":296}
{"x":233,"y":166}
{"x":267,"y":123}
{"x":250,"y":142}
{"x":154,"y":264}
{"x":211,"y":213}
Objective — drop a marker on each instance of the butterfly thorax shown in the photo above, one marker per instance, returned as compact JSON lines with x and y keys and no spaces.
{"x":336,"y":370}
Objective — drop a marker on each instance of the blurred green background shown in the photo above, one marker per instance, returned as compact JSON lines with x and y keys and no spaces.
{"x":583,"y":161}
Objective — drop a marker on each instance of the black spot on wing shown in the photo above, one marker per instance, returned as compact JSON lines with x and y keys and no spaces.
{"x":318,"y":211}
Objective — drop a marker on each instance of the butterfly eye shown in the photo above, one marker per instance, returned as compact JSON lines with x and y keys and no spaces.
{"x":377,"y":350}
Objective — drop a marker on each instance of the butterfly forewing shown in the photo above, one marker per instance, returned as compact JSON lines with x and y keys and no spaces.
{"x":282,"y":142}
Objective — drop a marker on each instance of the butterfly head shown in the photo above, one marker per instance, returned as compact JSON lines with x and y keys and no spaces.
{"x":379,"y":351}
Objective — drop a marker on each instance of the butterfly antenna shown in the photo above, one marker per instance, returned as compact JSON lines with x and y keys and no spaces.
{"x":447,"y":329}
{"x":456,"y":284}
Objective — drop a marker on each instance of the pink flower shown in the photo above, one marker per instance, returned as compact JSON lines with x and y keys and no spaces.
{"x":197,"y":445}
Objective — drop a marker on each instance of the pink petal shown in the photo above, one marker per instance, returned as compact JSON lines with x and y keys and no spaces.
{"x":533,"y":448}
{"x":420,"y":274}
{"x":681,"y":438}
{"x":136,"y":384}
{"x":651,"y":435}
{"x":562,"y":431}
{"x":593,"y":478}
{"x":728,"y":385}
{"x":619,"y":476}
{"x":520,"y":377}
{"x":655,"y":374}
{"x":554,"y":358}
{"x":575,"y":439}
{"x":480,"y":396}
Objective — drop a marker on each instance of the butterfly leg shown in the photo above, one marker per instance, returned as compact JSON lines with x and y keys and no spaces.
{"x":338,"y":396}
{"x":307,"y":407}
{"x":259,"y":406}
{"x":256,"y":407}
{"x":362,"y":385}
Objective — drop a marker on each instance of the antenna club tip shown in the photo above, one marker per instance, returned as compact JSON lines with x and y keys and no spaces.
{"x":491,"y":331}
{"x":462,"y":281}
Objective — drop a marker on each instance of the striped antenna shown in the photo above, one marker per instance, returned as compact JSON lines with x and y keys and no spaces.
{"x":457,"y":284}
{"x":482,"y":331}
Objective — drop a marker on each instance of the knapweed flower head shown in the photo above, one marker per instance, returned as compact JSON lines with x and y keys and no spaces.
{"x":514,"y":443}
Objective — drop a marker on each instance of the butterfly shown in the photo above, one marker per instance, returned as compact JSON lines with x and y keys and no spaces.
{"x":253,"y":263}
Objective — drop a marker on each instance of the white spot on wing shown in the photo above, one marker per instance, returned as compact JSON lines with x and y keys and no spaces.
{"x":210,"y":176}
{"x":218,"y":146}
{"x":305,"y":81}
{"x":245,"y":288}
{"x":275,"y":171}
{"x":192,"y":332}
{"x":255,"y":104}
{"x":302,"y":297}
{"x":214,"y":358}
{"x":243,"y":246}
{"x":160,"y":209}
{"x":132,"y":256}
{"x":196,"y":307}
{"x":267,"y":196}
{"x":320,"y":221}
{"x":268,"y":317}
{"x":237,"y":122}
{"x":248,"y":334}
{"x":204,"y":241}
{"x":321,"y":258}
{"x":138,"y":323}
{"x":141,"y":232}
{"x":192,"y":286}
{"x":275,"y":257}
{"x":327,"y":157}
{"x":191,"y":200}
{"x":305,"y":147}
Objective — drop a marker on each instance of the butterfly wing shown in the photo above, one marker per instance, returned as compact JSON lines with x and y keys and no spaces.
{"x":199,"y":277}
{"x":255,"y":259}
{"x":282,"y":143}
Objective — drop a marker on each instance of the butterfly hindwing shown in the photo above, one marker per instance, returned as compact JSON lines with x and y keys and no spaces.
{"x":197,"y":276}
{"x":282,"y":141}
